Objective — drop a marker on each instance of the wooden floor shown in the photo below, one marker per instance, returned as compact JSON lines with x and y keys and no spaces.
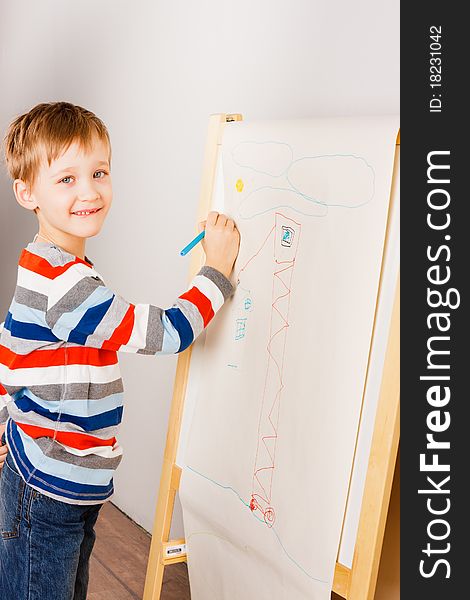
{"x":119,"y":561}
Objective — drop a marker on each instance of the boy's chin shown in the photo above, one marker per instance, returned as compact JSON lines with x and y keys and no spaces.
{"x":87,"y":231}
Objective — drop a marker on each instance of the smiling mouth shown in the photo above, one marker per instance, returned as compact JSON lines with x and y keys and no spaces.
{"x":85,"y":213}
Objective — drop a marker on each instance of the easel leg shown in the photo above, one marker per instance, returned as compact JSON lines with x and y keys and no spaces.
{"x":171,"y":473}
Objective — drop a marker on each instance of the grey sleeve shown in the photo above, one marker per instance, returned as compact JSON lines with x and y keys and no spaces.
{"x":224,"y":284}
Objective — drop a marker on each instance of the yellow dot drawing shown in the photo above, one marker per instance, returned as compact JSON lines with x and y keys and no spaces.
{"x":239,"y":185}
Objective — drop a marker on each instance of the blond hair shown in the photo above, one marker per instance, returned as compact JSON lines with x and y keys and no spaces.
{"x":49,"y":128}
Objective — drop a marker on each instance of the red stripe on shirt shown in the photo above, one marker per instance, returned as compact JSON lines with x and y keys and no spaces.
{"x":75,"y":355}
{"x":79,"y":441}
{"x":123,"y":331}
{"x":37,"y":264}
{"x":201,"y":302}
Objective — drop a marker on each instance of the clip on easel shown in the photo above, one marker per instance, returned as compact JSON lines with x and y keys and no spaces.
{"x":359,"y":582}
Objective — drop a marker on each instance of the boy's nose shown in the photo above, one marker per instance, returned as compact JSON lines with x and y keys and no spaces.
{"x":88,"y":197}
{"x":88,"y":192}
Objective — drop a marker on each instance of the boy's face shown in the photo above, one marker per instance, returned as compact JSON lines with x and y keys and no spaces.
{"x":76,"y":182}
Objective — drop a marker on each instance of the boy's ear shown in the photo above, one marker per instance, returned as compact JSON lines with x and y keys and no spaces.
{"x":24,"y":195}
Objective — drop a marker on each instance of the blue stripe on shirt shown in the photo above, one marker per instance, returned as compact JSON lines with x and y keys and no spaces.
{"x":43,"y":481}
{"x":27,"y":314}
{"x":29,"y":331}
{"x":75,"y":406}
{"x":109,"y":418}
{"x":89,"y":322}
{"x":182,"y":325}
{"x":69,"y":319}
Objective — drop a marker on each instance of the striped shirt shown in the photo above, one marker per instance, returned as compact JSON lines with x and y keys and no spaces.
{"x":61,"y":392}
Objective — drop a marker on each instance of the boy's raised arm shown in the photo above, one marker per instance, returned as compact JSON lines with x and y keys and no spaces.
{"x":82,"y":310}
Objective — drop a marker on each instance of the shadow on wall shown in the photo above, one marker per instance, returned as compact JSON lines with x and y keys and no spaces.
{"x":17,"y":228}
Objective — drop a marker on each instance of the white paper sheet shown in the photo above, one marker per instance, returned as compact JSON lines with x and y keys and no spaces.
{"x":280,"y":376}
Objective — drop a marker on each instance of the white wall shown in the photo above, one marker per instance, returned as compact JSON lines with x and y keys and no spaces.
{"x":154,"y":71}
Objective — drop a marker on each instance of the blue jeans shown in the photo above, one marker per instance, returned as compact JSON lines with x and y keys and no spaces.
{"x":45,"y":544}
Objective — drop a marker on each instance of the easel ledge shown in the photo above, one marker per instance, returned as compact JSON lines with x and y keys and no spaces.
{"x":357,"y":583}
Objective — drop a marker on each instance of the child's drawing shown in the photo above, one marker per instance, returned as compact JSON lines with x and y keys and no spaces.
{"x":298,"y":195}
{"x":318,"y":180}
{"x":285,"y":235}
{"x":241,"y":326}
{"x":278,"y":393}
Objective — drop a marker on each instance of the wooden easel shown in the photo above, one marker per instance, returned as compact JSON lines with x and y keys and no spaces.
{"x":357,"y":583}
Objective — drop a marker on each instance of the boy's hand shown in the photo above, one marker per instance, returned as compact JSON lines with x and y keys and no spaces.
{"x":3,"y":449}
{"x":221,"y":242}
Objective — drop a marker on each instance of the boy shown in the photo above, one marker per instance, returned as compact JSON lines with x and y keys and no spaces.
{"x":60,"y":387}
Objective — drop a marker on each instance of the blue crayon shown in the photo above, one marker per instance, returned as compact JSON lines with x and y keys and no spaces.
{"x":191,"y":245}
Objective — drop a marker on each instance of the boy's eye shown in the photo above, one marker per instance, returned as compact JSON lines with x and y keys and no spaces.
{"x":68,"y":178}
